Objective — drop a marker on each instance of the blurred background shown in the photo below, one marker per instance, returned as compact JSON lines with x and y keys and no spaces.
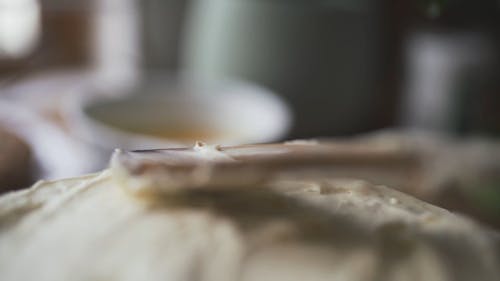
{"x":79,"y":78}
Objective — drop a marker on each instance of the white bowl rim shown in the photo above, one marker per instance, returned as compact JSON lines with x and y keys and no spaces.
{"x":88,"y":127}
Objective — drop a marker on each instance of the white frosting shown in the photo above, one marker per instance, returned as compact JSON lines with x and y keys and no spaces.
{"x":291,"y":228}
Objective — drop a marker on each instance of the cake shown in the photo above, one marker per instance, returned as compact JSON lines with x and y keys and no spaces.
{"x":265,"y":212}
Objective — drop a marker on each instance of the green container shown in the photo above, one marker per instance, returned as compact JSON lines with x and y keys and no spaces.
{"x":320,"y":55}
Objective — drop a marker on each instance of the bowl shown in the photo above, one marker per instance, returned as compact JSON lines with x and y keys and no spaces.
{"x":174,"y":113}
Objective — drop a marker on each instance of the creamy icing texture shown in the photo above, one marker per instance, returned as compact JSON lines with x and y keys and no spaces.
{"x":156,"y":216}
